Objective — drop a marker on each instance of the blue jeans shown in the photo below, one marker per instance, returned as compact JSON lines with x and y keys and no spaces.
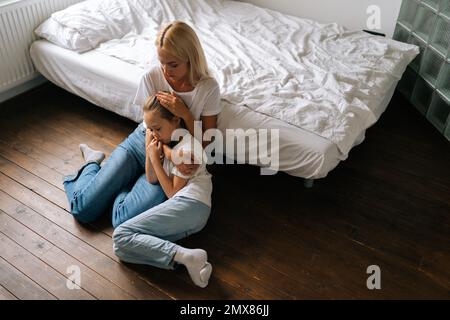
{"x":120,"y":185}
{"x":148,"y":238}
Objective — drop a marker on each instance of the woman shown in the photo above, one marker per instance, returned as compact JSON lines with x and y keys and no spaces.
{"x":183,"y":85}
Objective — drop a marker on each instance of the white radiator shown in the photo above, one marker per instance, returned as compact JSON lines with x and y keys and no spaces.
{"x":18,"y":19}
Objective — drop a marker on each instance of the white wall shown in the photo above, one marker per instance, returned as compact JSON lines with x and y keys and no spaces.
{"x":349,"y":13}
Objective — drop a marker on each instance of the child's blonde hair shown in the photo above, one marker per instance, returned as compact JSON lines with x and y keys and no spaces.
{"x":180,"y":40}
{"x":153,"y":104}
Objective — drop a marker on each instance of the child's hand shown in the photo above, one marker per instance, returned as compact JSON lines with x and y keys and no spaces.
{"x":155,"y":151}
{"x":148,"y":137}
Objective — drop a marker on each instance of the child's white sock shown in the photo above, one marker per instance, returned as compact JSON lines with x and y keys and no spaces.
{"x":91,"y":154}
{"x":195,"y":261}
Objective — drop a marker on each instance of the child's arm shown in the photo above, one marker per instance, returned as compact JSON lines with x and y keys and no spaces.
{"x":149,"y":170}
{"x":167,"y":152}
{"x":168,"y":184}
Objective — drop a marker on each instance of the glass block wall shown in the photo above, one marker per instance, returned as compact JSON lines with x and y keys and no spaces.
{"x":426,"y":82}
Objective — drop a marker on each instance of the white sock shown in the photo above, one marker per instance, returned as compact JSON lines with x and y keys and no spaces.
{"x":90,"y":155}
{"x":195,"y":261}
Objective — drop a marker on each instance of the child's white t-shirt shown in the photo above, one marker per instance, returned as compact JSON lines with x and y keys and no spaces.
{"x":203,"y":100}
{"x":199,"y":185}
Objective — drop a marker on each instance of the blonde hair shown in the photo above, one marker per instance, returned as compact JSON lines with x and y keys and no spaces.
{"x":153,"y":104}
{"x":180,"y":40}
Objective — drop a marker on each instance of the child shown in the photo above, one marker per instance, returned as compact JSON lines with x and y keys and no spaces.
{"x":148,"y":238}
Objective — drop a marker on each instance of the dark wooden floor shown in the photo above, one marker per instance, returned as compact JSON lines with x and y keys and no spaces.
{"x":267,"y":238}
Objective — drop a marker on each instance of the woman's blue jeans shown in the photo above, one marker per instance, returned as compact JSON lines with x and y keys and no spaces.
{"x":120,"y":185}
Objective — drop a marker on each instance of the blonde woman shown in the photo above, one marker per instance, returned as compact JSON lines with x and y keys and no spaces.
{"x":182,"y":84}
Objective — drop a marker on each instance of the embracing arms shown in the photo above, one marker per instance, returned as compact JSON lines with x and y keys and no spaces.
{"x":155,"y":171}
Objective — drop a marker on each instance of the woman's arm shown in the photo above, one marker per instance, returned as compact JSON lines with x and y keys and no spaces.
{"x":208,"y":122}
{"x":177,"y":106}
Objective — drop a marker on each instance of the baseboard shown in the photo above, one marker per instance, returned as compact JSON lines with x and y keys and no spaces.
{"x":10,"y":93}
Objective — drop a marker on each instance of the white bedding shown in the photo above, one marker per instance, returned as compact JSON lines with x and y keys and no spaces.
{"x":320,"y":85}
{"x":111,"y":83}
{"x":318,"y":77}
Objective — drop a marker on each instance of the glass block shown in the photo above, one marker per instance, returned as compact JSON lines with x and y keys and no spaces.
{"x":424,"y":23}
{"x":431,"y":66}
{"x":406,"y":83}
{"x":408,"y":12}
{"x":422,"y":94}
{"x":441,"y":36}
{"x":401,"y":34}
{"x":433,"y":4}
{"x":447,"y":130}
{"x":444,"y":8}
{"x":438,"y":112}
{"x":415,"y":64}
{"x":444,"y":81}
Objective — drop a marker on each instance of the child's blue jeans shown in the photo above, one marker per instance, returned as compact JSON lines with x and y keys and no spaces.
{"x":148,"y":238}
{"x":120,"y":185}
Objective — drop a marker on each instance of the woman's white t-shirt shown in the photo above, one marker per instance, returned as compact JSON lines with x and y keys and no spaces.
{"x":203,"y":100}
{"x":199,"y":185}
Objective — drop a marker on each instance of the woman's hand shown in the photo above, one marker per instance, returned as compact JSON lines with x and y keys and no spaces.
{"x":187,"y":169}
{"x":173,"y":103}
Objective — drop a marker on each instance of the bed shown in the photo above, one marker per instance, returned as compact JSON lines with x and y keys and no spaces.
{"x":320,"y":85}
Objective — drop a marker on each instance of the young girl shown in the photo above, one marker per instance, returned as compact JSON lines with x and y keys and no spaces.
{"x":148,"y":238}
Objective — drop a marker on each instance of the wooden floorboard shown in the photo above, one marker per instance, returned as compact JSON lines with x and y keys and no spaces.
{"x":79,"y":249}
{"x":91,"y":281}
{"x":6,"y":295}
{"x":19,"y":285}
{"x":38,"y":271}
{"x":32,"y":166}
{"x":388,"y":204}
{"x":54,"y":213}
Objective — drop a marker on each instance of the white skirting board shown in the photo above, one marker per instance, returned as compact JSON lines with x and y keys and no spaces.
{"x":21,"y":88}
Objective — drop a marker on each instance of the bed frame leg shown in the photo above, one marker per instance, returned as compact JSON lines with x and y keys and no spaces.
{"x":308,"y":183}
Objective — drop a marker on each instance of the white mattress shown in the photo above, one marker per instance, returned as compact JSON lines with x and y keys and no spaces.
{"x":111,"y":83}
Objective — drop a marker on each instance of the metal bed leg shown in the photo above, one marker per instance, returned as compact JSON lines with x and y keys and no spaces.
{"x":308,"y":183}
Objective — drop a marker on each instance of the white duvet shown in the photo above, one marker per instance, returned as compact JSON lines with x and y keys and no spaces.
{"x":319,"y":77}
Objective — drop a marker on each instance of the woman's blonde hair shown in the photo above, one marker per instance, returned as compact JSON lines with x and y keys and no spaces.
{"x":180,"y":40}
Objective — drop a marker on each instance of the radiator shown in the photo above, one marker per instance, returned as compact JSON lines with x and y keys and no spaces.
{"x":18,"y":19}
